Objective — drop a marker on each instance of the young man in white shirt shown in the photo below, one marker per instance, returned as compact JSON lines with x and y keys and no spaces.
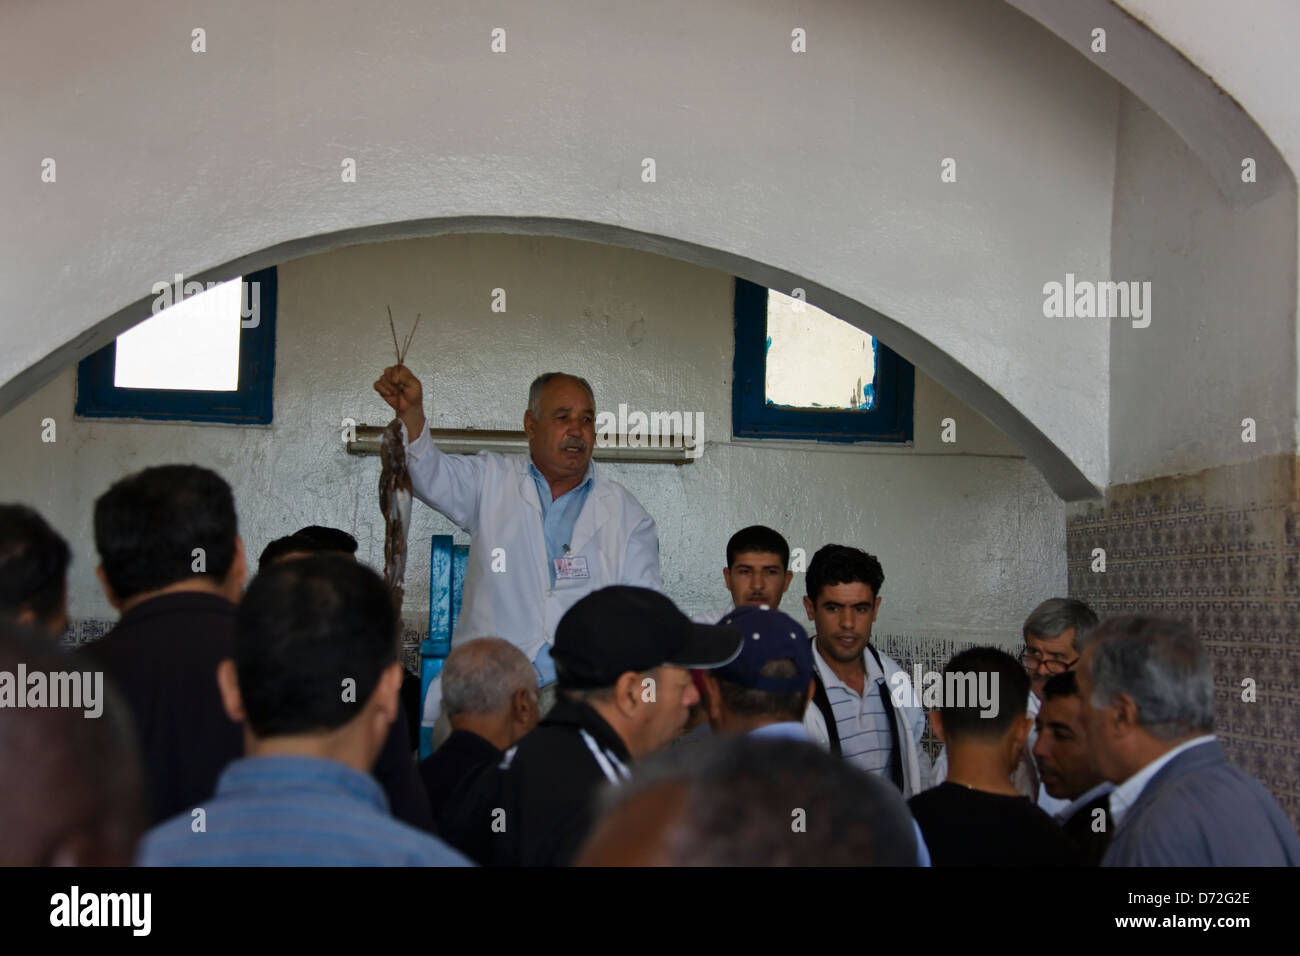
{"x":854,"y":711}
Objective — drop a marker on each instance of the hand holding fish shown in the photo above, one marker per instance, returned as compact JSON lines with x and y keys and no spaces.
{"x":399,"y":387}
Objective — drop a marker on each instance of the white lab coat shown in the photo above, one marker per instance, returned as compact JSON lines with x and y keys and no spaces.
{"x":494,"y":499}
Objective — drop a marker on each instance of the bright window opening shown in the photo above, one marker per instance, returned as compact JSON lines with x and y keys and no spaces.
{"x":815,"y":360}
{"x":192,"y":345}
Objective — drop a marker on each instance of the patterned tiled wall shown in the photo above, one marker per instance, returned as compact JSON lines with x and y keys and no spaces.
{"x":1219,"y":550}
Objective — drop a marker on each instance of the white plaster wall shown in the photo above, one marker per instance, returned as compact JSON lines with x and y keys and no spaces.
{"x":1249,"y":49}
{"x":970,"y":535}
{"x":822,"y":166}
{"x":1220,"y":347}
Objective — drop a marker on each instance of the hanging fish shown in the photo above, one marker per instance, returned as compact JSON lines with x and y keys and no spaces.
{"x":395,"y":489}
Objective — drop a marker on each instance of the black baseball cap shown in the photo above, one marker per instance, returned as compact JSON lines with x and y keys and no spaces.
{"x":619,"y":629}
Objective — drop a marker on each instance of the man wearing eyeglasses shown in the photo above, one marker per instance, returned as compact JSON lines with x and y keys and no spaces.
{"x":1051,"y":632}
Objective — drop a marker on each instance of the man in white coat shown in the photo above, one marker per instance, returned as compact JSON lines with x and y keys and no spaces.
{"x":545,"y":528}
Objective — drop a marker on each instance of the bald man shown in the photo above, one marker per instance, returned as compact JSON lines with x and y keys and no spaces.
{"x":490,"y":695}
{"x":73,"y":790}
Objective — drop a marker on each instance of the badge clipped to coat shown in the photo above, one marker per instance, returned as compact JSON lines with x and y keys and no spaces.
{"x":571,"y":567}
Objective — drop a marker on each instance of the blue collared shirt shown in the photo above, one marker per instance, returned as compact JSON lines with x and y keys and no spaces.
{"x":293,"y":811}
{"x":560,"y":516}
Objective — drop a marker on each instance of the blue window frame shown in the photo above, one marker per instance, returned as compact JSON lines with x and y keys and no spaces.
{"x":889,"y":419}
{"x":249,"y":404}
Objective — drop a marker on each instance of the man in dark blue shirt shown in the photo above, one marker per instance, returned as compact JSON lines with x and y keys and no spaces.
{"x":315,"y":683}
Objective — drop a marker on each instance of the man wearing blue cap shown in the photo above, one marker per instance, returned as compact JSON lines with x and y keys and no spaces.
{"x":766,"y":689}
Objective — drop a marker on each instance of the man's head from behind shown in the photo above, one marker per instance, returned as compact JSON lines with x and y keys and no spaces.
{"x":167,"y":526}
{"x":757,"y":570}
{"x":314,"y":539}
{"x":746,"y":801}
{"x":1054,"y":632}
{"x":843,"y":600}
{"x":770,"y":681}
{"x":985,"y":693}
{"x":73,"y":791}
{"x":33,"y":571}
{"x":315,"y":669}
{"x":627,"y":653}
{"x":1065,"y":764}
{"x":1145,"y":684}
{"x":561,"y":425}
{"x":490,"y":688}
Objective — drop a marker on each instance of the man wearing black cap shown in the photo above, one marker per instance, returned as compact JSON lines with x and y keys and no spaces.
{"x":622,"y":657}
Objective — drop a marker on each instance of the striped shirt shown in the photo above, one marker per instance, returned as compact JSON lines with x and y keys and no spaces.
{"x":860,"y":719}
{"x":293,"y":811}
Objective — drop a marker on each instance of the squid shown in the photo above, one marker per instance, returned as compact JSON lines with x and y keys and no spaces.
{"x":395,"y":490}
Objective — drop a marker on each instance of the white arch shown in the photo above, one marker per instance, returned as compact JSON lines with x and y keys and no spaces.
{"x":821,"y":166}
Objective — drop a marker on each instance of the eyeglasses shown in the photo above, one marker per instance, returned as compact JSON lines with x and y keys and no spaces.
{"x":1030,"y":658}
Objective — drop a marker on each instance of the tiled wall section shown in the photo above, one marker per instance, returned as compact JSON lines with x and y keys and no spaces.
{"x":1219,"y":550}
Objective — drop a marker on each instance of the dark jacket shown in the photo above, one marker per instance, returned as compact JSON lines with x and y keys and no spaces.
{"x":163,"y":656}
{"x":1091,"y":842}
{"x":454,"y":765}
{"x":1200,"y":810}
{"x":397,"y":772}
{"x":536,"y":806}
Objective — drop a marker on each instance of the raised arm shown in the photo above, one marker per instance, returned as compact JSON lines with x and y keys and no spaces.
{"x":447,"y":483}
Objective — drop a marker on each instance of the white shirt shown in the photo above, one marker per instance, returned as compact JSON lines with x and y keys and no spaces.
{"x":508,"y":591}
{"x":494,"y":499}
{"x":860,"y":719}
{"x":1126,"y":794}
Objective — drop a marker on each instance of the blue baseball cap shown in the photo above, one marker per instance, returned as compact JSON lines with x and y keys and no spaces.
{"x":769,"y":635}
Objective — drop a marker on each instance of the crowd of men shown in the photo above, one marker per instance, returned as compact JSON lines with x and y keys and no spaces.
{"x":581,"y":717}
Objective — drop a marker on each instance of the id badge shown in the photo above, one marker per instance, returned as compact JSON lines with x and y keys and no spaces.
{"x":573,"y":568}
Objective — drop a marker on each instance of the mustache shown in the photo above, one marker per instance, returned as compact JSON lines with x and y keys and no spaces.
{"x":573,"y":444}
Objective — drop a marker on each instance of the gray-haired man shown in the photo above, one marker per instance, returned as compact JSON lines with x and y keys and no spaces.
{"x":489,"y":693}
{"x":1148,"y":704}
{"x":552,"y":503}
{"x":1053,"y":633}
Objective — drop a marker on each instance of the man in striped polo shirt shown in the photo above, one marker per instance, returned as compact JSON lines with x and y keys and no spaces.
{"x":853,"y":711}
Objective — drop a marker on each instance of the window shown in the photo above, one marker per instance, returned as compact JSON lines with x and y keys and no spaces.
{"x":208,"y":357}
{"x":802,"y":373}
